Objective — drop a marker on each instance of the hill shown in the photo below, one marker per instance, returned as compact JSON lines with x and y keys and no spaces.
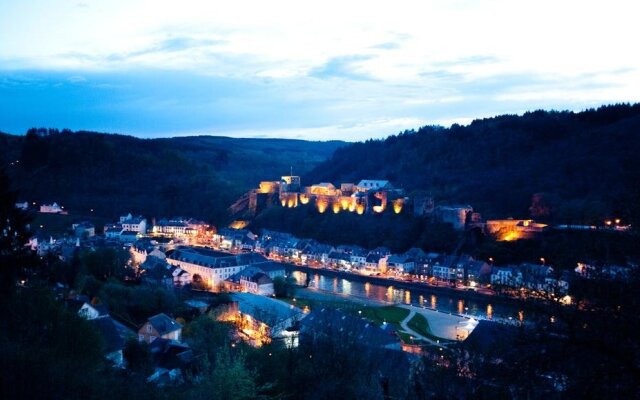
{"x":112,"y":174}
{"x":582,"y":166}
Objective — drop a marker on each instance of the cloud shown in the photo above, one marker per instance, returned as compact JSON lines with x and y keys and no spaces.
{"x":345,"y":67}
{"x":387,"y":46}
{"x":165,"y":46}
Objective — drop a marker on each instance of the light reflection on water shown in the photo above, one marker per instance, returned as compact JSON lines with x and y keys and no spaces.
{"x":391,"y":294}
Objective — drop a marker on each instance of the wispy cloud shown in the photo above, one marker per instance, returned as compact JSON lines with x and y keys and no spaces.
{"x":345,"y":67}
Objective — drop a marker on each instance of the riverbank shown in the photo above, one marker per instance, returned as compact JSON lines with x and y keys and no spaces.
{"x":414,"y":286}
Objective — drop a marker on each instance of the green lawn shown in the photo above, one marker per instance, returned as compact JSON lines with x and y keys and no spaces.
{"x":378,"y":315}
{"x":420,"y":325}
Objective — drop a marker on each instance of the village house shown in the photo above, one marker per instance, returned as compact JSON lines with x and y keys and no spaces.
{"x":318,"y":253}
{"x":235,"y":239}
{"x":338,"y":259}
{"x":258,"y":283}
{"x":401,"y":263}
{"x":90,"y":311}
{"x":476,"y":272}
{"x":182,"y":228}
{"x":449,"y":268}
{"x":536,"y":277}
{"x":301,"y":248}
{"x":160,"y":326}
{"x":113,"y":231}
{"x":506,"y":276}
{"x":52,"y":209}
{"x":171,"y":361}
{"x":136,"y":224}
{"x":272,"y":269}
{"x":264,"y":319}
{"x":608,"y":271}
{"x":212,"y":267}
{"x":357,"y":254}
{"x":180,"y":277}
{"x":155,"y":271}
{"x":375,"y":263}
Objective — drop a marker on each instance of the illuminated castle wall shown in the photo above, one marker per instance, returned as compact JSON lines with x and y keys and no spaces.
{"x":368,"y":196}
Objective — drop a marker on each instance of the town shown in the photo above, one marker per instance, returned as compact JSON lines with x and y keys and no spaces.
{"x":256,"y":270}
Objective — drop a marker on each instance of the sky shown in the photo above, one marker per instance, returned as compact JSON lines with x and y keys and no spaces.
{"x":318,"y":70}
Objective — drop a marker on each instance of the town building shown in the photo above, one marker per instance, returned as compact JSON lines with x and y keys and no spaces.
{"x":209,"y":266}
{"x":160,"y":326}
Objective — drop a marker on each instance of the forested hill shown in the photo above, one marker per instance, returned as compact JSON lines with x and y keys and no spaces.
{"x":193,"y":176}
{"x":586,"y":164}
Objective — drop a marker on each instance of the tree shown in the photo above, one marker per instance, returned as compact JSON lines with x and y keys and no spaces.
{"x":138,"y":357}
{"x":13,"y":235}
{"x":284,"y":287}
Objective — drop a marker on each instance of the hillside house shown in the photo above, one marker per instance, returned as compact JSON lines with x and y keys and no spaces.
{"x":160,"y":326}
{"x":136,"y":224}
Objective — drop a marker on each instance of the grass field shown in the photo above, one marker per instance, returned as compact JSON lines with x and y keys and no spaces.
{"x":420,"y":325}
{"x":390,"y":314}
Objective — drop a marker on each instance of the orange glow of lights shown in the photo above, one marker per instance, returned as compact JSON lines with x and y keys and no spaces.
{"x":510,"y":236}
{"x":292,"y":201}
{"x":321,"y":205}
{"x":378,"y":209}
{"x":344,"y":203}
{"x":397,"y":205}
{"x":352,"y":206}
{"x":489,"y":311}
{"x":304,"y":199}
{"x":283,"y":202}
{"x":336,"y":207}
{"x":360,"y":209}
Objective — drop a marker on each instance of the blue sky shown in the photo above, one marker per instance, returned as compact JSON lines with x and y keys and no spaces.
{"x":313,"y":70}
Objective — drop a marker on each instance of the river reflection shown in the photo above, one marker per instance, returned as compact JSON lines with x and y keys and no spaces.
{"x":419,"y":297}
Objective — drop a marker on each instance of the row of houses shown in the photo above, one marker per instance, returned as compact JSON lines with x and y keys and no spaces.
{"x":129,"y":228}
{"x":417,"y":264}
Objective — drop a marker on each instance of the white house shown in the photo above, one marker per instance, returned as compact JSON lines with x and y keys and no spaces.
{"x":51,"y":209}
{"x":135,"y":224}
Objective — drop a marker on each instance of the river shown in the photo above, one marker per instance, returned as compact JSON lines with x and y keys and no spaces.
{"x":420,"y":297}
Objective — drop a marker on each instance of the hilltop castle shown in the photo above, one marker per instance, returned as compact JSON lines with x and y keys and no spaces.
{"x":368,"y":196}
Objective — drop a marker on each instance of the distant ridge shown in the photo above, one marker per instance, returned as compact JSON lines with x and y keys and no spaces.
{"x":585,"y":165}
